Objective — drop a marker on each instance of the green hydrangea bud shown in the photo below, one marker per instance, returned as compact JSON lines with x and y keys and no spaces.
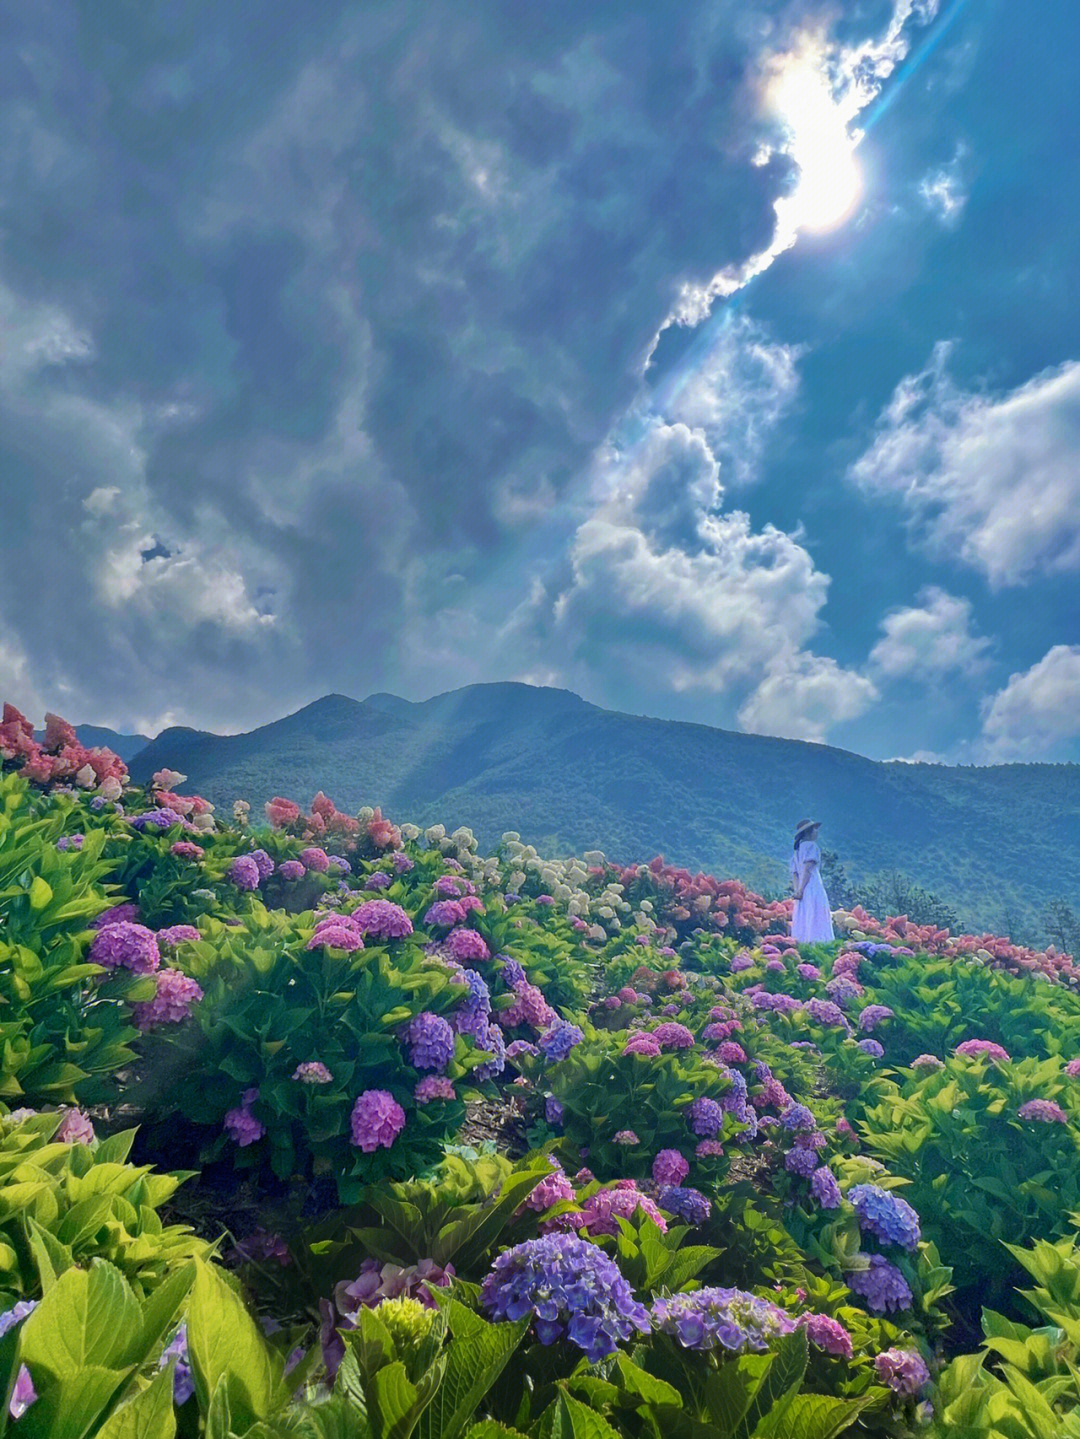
{"x":408,"y":1321}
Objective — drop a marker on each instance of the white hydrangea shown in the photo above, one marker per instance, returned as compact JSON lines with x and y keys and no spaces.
{"x":434,"y":832}
{"x":597,"y":931}
{"x":605,"y":911}
{"x":515,"y":879}
{"x":365,"y":814}
{"x":410,"y":831}
{"x":593,"y":856}
{"x":646,"y":905}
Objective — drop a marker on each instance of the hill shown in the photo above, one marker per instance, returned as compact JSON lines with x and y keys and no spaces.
{"x":570,"y":776}
{"x":93,"y":736}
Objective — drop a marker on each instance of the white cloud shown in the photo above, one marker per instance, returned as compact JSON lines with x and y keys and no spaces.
{"x":738,"y":394}
{"x":803,"y":696}
{"x":18,"y":684}
{"x":929,"y":639}
{"x":993,"y":480}
{"x":942,"y":190}
{"x":1038,"y":711}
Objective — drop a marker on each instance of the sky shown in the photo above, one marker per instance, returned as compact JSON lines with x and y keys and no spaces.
{"x":718,"y":362}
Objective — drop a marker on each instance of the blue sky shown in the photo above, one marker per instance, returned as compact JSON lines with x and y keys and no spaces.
{"x":402,"y":346}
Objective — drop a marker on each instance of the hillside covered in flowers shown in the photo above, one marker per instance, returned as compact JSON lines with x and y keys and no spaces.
{"x":321,"y":1123}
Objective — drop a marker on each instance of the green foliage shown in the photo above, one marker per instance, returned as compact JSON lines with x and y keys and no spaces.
{"x":64,"y":1024}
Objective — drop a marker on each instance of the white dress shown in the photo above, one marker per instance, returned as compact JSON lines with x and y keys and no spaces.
{"x":811,"y":921}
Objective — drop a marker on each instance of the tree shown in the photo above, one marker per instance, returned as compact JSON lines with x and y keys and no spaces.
{"x":834,"y":878}
{"x":896,"y":893}
{"x":1063,"y":926}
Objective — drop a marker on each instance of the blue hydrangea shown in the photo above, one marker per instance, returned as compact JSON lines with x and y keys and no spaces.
{"x":493,"y":1041}
{"x":882,"y":1285}
{"x":797,"y":1119}
{"x":513,"y":972}
{"x":801,"y":1161}
{"x":431,"y":1041}
{"x":730,"y":1318}
{"x":689,"y":1205}
{"x":557,"y":1042}
{"x":885,"y":1215}
{"x":572,"y":1290}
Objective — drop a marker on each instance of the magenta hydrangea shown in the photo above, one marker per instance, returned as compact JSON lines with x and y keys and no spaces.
{"x":1044,"y":1111}
{"x":176,"y":993}
{"x":552,"y":1189}
{"x":336,"y":934}
{"x":981,"y":1049}
{"x":621,"y":1201}
{"x":377,"y":1119}
{"x":244,"y":872}
{"x":642,"y":1044}
{"x":827,"y":1333}
{"x":673,"y":1036}
{"x":125,"y":945}
{"x":904,"y":1371}
{"x":434,"y":1086}
{"x":382,"y":919}
{"x":466,"y":944}
{"x":1072,"y":1069}
{"x":669,"y":1167}
{"x":119,"y":914}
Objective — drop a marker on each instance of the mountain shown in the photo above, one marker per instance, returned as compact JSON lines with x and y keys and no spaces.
{"x":570,"y":776}
{"x":93,"y":736}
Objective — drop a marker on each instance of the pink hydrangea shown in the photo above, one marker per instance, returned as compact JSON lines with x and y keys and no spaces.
{"x":312,"y":1071}
{"x":1072,"y":1069}
{"x":1045,"y":1111}
{"x":628,"y":995}
{"x":291,"y":869}
{"x":465,"y":944}
{"x":434,"y":1086}
{"x":445,"y":912}
{"x":673,"y":1036}
{"x":281,"y":812}
{"x":621,"y":1201}
{"x":642,"y":1044}
{"x":731,"y":1053}
{"x":178,"y":934}
{"x":75,"y":1128}
{"x":315,"y":858}
{"x":669,"y":1167}
{"x":337,"y":934}
{"x":176,"y":993}
{"x":709,"y":1149}
{"x":975,"y":1048}
{"x":377,"y":1119}
{"x":626,"y":1136}
{"x":552,"y":1189}
{"x":240,"y":1124}
{"x":382,"y":919}
{"x":827,"y":1333}
{"x":186,"y":849}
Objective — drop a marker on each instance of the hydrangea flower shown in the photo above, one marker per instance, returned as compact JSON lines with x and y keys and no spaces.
{"x":553,"y":1111}
{"x":669,"y":1167}
{"x":689,"y":1205}
{"x":312,"y":1071}
{"x":642,"y":1044}
{"x":434,"y":1086}
{"x":291,"y":869}
{"x":882,"y":1285}
{"x":557,"y":1042}
{"x":827,"y":1333}
{"x":979,"y":1048}
{"x":125,"y":945}
{"x":379,"y":880}
{"x":673,"y":1036}
{"x":871,"y":1047}
{"x":240,"y":1124}
{"x":552,"y":1189}
{"x":518,"y":1047}
{"x":886,"y":1215}
{"x":706,"y":1117}
{"x":465,"y":944}
{"x":709,"y":1149}
{"x":824,"y":1011}
{"x":571,"y":1288}
{"x":377,"y":1119}
{"x":872,"y":1016}
{"x":382,"y":919}
{"x":927,"y":1062}
{"x":244,"y":872}
{"x":904,"y":1371}
{"x":492,"y":1040}
{"x":730,"y":1318}
{"x":824,"y":1188}
{"x":176,"y":993}
{"x":798,"y":1119}
{"x":801,"y":1161}
{"x":626,"y":1136}
{"x":119,"y":914}
{"x":75,"y":1128}
{"x":620,"y":1200}
{"x":431,"y":1041}
{"x":157,"y":819}
{"x":1045,"y":1111}
{"x":1072,"y":1069}
{"x":315,"y":858}
{"x":513,"y":972}
{"x":808,"y":971}
{"x":445,"y":912}
{"x":263,"y":863}
{"x":178,"y":934}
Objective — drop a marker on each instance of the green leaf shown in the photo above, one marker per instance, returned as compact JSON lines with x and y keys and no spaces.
{"x":50,"y":1256}
{"x":473,"y":1363}
{"x":813,"y":1416}
{"x":70,"y":1408}
{"x":148,"y":1416}
{"x":224,"y":1343}
{"x":644,"y":1385}
{"x":489,"y":1429}
{"x":85,"y":1321}
{"x":779,"y":1385}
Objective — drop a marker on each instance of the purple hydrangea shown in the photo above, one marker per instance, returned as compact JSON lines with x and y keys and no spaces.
{"x":119,"y":914}
{"x":706,"y":1117}
{"x":379,"y":879}
{"x":157,"y":819}
{"x":493,"y":1041}
{"x":824,"y":1011}
{"x":1045,"y":1111}
{"x":885,"y":1215}
{"x":465,"y":944}
{"x":337,"y":933}
{"x":882,"y":1285}
{"x":824,"y":1188}
{"x":827,"y":1333}
{"x":291,"y":869}
{"x":729,"y":1318}
{"x":377,"y":1120}
{"x":553,"y":1112}
{"x":183,"y":1379}
{"x":709,"y":1149}
{"x":16,"y":1314}
{"x":401,"y":861}
{"x":808,"y":971}
{"x":178,"y":934}
{"x":240,"y":1124}
{"x":339,"y":864}
{"x":797,"y":1119}
{"x":513,"y":972}
{"x":801,"y":1161}
{"x":689,"y":1205}
{"x":445,"y":912}
{"x":518,"y":1047}
{"x":434,"y":1086}
{"x":431,"y":1041}
{"x":903,"y":1370}
{"x":871,"y":1047}
{"x":382,"y":919}
{"x":557,"y":1042}
{"x":673,"y":1036}
{"x":571,"y":1288}
{"x":244,"y":872}
{"x":669,"y":1167}
{"x":552,"y":1189}
{"x":642,"y":1044}
{"x":124,"y":945}
{"x":70,"y":841}
{"x":780,"y":1003}
{"x":980,"y":1048}
{"x":263,"y":863}
{"x":872,"y":1016}
{"x":312,"y":1071}
{"x":315,"y":858}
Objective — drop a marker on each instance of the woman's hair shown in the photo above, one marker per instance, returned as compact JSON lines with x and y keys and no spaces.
{"x":802,"y":835}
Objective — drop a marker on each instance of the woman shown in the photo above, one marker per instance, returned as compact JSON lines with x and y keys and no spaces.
{"x":811,"y":922}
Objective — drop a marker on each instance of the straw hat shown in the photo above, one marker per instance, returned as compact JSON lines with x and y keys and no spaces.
{"x":804,"y":826}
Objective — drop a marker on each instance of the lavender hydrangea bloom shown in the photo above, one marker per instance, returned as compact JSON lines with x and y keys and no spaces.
{"x":377,"y":1120}
{"x":872,"y":1016}
{"x":383,"y":919}
{"x":379,"y":879}
{"x":244,"y":872}
{"x":557,"y":1042}
{"x":904,"y":1371}
{"x":1043,"y":1110}
{"x":263,"y":863}
{"x":241,"y":1125}
{"x":882,"y":1285}
{"x":178,"y":934}
{"x":431,"y":1041}
{"x":513,"y":972}
{"x":823,"y":1011}
{"x":465,"y":944}
{"x":801,"y":1161}
{"x":444,"y":912}
{"x":291,"y":869}
{"x":570,"y":1287}
{"x":493,"y":1041}
{"x":553,"y":1111}
{"x":689,"y":1205}
{"x":885,"y":1215}
{"x":125,"y":945}
{"x":16,"y":1314}
{"x":183,"y":1380}
{"x":706,"y":1117}
{"x":312,"y":1071}
{"x":156,"y":819}
{"x":670,"y":1168}
{"x":730,"y":1318}
{"x":827,"y":1333}
{"x":927,"y":1061}
{"x":871,"y":1047}
{"x":797,"y":1119}
{"x":824,"y":1188}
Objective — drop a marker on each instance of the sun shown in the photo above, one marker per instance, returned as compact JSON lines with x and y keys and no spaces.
{"x":829,"y":179}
